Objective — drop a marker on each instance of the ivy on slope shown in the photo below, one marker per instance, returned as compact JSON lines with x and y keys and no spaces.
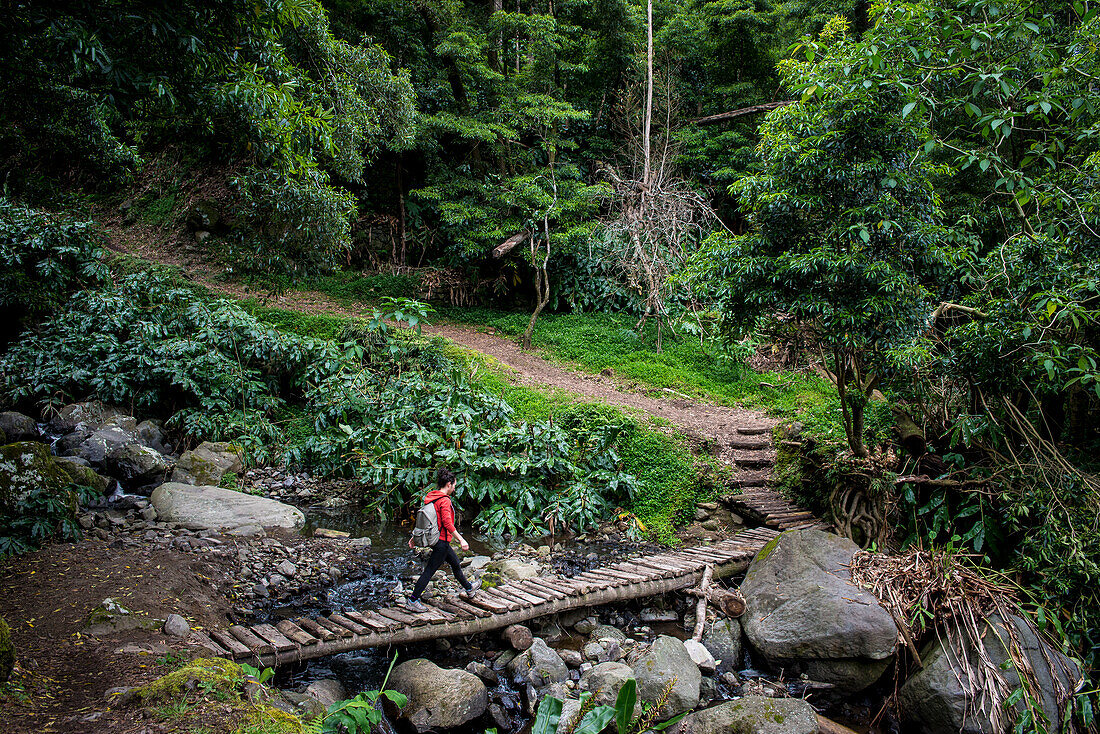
{"x":386,"y":409}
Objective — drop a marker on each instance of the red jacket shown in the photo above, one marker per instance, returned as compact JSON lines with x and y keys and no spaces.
{"x":444,"y":511}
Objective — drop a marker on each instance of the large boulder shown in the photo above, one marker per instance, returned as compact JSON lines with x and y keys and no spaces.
{"x":28,"y":465}
{"x":754,"y":715}
{"x":102,"y":442}
{"x":933,"y":701}
{"x":723,"y":639}
{"x":803,"y":611}
{"x":539,"y":665}
{"x":438,"y":698}
{"x":213,"y":508}
{"x":605,"y":680}
{"x":151,"y":434}
{"x":90,"y":416}
{"x":135,"y":465}
{"x":17,"y":427}
{"x":513,"y":569}
{"x":207,"y":463}
{"x":666,"y":660}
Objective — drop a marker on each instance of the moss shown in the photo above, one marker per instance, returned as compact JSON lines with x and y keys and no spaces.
{"x":767,"y":549}
{"x":490,"y":577}
{"x":7,"y":652}
{"x":24,"y":466}
{"x":270,"y":720}
{"x":210,"y":672}
{"x":84,"y":476}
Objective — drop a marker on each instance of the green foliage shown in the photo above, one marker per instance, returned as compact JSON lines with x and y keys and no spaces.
{"x":42,"y":515}
{"x":596,"y":718}
{"x":43,"y":258}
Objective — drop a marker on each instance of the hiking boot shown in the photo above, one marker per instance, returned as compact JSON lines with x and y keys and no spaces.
{"x":416,"y":605}
{"x":471,"y":592}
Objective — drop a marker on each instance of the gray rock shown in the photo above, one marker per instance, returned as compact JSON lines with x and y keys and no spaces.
{"x":932,"y":700}
{"x":327,"y":691}
{"x":539,"y":665}
{"x":28,"y":465}
{"x":649,"y":616}
{"x":605,"y":680}
{"x":712,"y":524}
{"x":101,"y":443}
{"x":483,"y":671}
{"x":723,"y":640}
{"x":134,"y":464}
{"x":438,"y":698}
{"x":592,"y":651}
{"x":476,"y":563}
{"x":17,"y":427}
{"x":586,"y":625}
{"x":607,"y":632}
{"x":208,"y":463}
{"x":286,"y":568}
{"x":701,"y":656}
{"x":149,"y":514}
{"x":514,"y":569}
{"x":802,"y":608}
{"x":91,"y":415}
{"x":668,"y":659}
{"x":176,"y":626}
{"x":570,"y":707}
{"x":212,"y":508}
{"x":754,"y":715}
{"x":571,"y":658}
{"x":150,"y":433}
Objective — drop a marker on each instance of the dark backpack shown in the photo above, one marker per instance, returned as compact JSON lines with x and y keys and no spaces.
{"x":426,"y":532}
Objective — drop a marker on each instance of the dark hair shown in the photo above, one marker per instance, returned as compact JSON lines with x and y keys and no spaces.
{"x":444,"y":477}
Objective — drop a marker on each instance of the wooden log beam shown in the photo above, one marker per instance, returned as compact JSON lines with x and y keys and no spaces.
{"x":723,"y":116}
{"x":509,"y":244}
{"x":701,"y":605}
{"x":408,"y":634}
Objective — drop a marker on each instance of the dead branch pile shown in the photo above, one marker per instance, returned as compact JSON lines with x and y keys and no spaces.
{"x":934,"y":593}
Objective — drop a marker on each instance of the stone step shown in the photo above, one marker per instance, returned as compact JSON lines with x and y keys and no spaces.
{"x":753,"y":457}
{"x":758,"y":441}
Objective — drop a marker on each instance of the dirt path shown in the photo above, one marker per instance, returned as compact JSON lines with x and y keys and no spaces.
{"x":724,"y":426}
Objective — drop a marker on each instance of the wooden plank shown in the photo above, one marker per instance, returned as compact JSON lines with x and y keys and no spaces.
{"x":556,"y":591}
{"x":251,"y":641}
{"x":376,"y":624}
{"x":567,"y":585}
{"x":513,"y":601}
{"x":405,"y":618}
{"x":668,"y":560}
{"x":491,"y":603}
{"x":336,"y":629}
{"x":467,"y":607}
{"x":296,"y":633}
{"x":643,"y":572}
{"x":230,"y":643}
{"x":548,"y":593}
{"x":203,"y":641}
{"x":309,"y":625}
{"x":660,"y":572}
{"x":458,"y":613}
{"x":515,"y":590}
{"x":274,"y":636}
{"x":343,"y":621}
{"x":437,"y":608}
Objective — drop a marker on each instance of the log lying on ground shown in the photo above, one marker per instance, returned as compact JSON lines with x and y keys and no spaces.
{"x":729,"y":601}
{"x":701,"y":606}
{"x":518,"y":636}
{"x":723,"y":116}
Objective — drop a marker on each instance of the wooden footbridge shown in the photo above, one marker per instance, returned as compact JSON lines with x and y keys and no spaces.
{"x":510,"y":603}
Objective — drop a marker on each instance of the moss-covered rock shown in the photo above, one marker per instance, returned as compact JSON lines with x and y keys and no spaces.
{"x":83,"y":475}
{"x":205,"y":465}
{"x":24,"y":466}
{"x":214,"y":673}
{"x":7,"y":652}
{"x":270,"y":720}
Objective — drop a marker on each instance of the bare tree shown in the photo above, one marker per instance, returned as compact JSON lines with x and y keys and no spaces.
{"x":658,"y":218}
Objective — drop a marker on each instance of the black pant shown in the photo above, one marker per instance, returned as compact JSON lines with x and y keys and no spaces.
{"x":441,"y":552}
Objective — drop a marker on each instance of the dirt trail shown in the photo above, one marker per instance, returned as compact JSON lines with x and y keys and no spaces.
{"x":722,"y":425}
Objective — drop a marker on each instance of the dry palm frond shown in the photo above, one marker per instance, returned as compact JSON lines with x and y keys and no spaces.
{"x":645,"y":721}
{"x":928,"y":592}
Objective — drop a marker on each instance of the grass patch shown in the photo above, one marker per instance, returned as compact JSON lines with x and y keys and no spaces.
{"x":316,"y":326}
{"x":594,"y":342}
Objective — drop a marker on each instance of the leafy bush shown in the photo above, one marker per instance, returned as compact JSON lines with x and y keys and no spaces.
{"x":40,"y":516}
{"x":385,"y":406}
{"x":43,"y":258}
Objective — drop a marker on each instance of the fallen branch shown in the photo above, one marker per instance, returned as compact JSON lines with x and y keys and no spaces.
{"x":723,"y":116}
{"x":509,"y":244}
{"x":701,"y":606}
{"x":729,"y":601}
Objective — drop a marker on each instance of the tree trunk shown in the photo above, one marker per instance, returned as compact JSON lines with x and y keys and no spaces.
{"x":497,"y":43}
{"x":518,"y":636}
{"x":648,"y":119}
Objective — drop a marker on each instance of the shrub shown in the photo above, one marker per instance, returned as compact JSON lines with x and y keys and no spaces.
{"x":43,"y":258}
